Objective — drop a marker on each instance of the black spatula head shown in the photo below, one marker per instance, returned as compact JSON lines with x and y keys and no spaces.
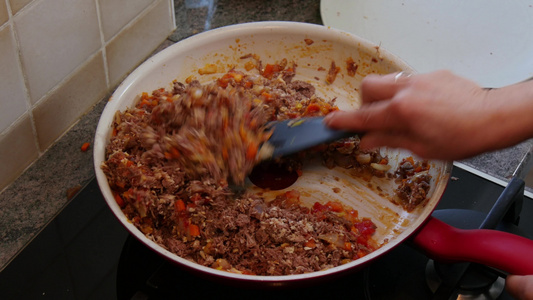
{"x":291,"y":136}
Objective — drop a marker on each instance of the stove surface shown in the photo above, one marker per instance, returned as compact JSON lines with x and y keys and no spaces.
{"x":84,"y":253}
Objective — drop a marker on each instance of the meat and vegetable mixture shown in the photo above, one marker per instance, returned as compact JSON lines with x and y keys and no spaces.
{"x":173,"y":157}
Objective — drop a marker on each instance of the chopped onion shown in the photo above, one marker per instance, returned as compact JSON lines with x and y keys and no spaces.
{"x":363,"y":158}
{"x":380,"y":167}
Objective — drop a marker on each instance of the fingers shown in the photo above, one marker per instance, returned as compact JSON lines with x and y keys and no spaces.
{"x":382,"y":87}
{"x":380,"y":139}
{"x":520,"y":287}
{"x":374,"y":116}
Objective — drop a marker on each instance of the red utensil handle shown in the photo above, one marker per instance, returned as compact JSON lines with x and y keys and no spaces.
{"x":501,"y":250}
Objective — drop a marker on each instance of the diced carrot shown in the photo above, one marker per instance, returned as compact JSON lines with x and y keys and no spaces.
{"x":119,"y":200}
{"x":85,"y":147}
{"x":310,"y":244}
{"x":174,"y":152}
{"x":196,"y":199}
{"x":179,"y":205}
{"x":251,"y":151}
{"x":334,"y":206}
{"x":242,"y":133}
{"x":249,"y":65}
{"x":225,"y":153}
{"x":268,"y":71}
{"x":208,"y":69}
{"x":223,"y":81}
{"x":293,"y":194}
{"x":266,"y":96}
{"x":194,"y":230}
{"x":360,"y":253}
{"x":347,"y":246}
{"x":237,"y":76}
{"x":353,"y":214}
{"x":312,"y":108}
{"x":120,"y":184}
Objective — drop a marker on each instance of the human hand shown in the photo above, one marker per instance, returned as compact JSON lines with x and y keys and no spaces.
{"x":520,"y":287}
{"x":437,"y":115}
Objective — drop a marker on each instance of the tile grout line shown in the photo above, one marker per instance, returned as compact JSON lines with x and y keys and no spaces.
{"x":29,"y":106}
{"x":102,"y":43}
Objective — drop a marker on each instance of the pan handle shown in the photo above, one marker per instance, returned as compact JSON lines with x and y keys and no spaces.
{"x":501,"y":250}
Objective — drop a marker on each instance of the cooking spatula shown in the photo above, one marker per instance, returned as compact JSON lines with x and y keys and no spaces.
{"x":291,"y":136}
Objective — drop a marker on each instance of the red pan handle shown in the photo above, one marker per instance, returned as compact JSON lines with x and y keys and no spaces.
{"x":501,"y":250}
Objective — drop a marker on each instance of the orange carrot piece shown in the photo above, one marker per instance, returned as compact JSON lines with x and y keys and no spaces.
{"x":85,"y":147}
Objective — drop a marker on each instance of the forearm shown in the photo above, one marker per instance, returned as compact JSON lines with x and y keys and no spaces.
{"x":514,"y":123}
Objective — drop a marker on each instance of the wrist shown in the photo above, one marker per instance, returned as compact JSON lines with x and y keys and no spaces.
{"x":513,"y":114}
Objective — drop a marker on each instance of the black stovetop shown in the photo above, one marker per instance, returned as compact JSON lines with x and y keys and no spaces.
{"x":84,"y":253}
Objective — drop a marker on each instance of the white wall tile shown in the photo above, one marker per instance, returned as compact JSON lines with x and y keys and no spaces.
{"x":17,"y":151}
{"x":55,"y":114}
{"x":136,"y":42}
{"x":13,"y":100}
{"x":3,"y":13}
{"x":60,"y":51}
{"x":117,"y":13}
{"x":17,"y":5}
{"x":55,"y":37}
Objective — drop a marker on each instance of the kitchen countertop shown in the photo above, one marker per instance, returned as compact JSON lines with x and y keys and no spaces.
{"x":29,"y":203}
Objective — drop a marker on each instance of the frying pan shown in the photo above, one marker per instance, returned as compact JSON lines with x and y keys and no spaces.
{"x":313,"y":48}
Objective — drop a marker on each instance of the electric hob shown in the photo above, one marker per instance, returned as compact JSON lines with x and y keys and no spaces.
{"x":84,"y":253}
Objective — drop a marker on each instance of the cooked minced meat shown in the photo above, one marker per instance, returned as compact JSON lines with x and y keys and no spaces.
{"x":172,"y":157}
{"x":280,"y":237}
{"x":414,"y":183}
{"x":346,"y":153}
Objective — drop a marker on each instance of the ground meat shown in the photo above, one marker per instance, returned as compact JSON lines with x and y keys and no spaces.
{"x":255,"y":237}
{"x":351,"y":67}
{"x":414,"y":183}
{"x":172,"y":157}
{"x":332,"y":73}
{"x":345,"y":153}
